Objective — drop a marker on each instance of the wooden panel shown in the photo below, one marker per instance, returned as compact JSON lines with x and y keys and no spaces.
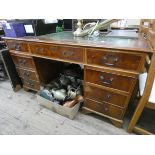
{"x":71,"y":53}
{"x":115,"y":59}
{"x":102,"y":95}
{"x":68,"y":39}
{"x":31,"y":84}
{"x":104,"y":108}
{"x":58,"y":52}
{"x":18,"y":46}
{"x":110,"y":80}
{"x":44,"y":50}
{"x":27,"y":74}
{"x":25,"y":62}
{"x":52,"y":71}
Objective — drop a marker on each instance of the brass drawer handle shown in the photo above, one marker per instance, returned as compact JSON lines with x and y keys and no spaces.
{"x":67,"y":53}
{"x":26,"y":74}
{"x":18,"y":47}
{"x":104,"y":81}
{"x":107,"y":96}
{"x":106,"y":109}
{"x":53,"y":49}
{"x":110,"y":60}
{"x":22,"y":61}
{"x":31,"y":84}
{"x":40,"y":50}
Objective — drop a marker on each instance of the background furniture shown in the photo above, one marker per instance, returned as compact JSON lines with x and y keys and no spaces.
{"x":33,"y":27}
{"x":147,"y":85}
{"x":144,"y":26}
{"x":111,"y":67}
{"x":11,"y":70}
{"x":3,"y":75}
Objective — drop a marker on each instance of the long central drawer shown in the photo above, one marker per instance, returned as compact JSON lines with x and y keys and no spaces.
{"x":110,"y":80}
{"x":58,"y":52}
{"x":44,"y":50}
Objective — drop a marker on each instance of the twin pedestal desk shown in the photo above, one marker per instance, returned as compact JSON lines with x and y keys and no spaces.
{"x":111,"y":67}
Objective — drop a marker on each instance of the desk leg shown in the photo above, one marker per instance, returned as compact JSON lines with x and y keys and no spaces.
{"x":85,"y":111}
{"x":17,"y":88}
{"x":116,"y":123}
{"x":26,"y":89}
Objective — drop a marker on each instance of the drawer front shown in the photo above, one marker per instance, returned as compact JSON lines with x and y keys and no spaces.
{"x":71,"y":53}
{"x":115,"y":59}
{"x":102,"y":95}
{"x":26,"y":74}
{"x":44,"y":50}
{"x":18,"y":46}
{"x":25,"y":62}
{"x":104,"y":108}
{"x":31,"y":84}
{"x":110,"y":80}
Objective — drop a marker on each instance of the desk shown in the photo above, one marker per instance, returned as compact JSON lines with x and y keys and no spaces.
{"x":111,"y":66}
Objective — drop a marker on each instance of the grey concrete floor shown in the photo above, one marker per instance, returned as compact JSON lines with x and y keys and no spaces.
{"x":20,"y":114}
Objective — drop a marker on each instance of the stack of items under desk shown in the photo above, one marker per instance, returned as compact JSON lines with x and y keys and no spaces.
{"x":65,"y":93}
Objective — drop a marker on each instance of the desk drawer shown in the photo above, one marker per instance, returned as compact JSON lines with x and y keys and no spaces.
{"x":71,"y":53}
{"x":102,"y":95}
{"x":18,"y":46}
{"x":31,"y":84}
{"x":58,"y":52}
{"x":115,"y":59}
{"x":110,"y":80}
{"x":104,"y":108}
{"x":44,"y":50}
{"x":25,"y":62}
{"x":26,"y":74}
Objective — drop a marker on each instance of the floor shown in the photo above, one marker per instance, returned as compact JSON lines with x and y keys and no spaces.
{"x":20,"y":114}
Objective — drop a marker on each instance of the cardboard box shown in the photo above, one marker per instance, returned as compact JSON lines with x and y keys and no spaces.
{"x":64,"y":111}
